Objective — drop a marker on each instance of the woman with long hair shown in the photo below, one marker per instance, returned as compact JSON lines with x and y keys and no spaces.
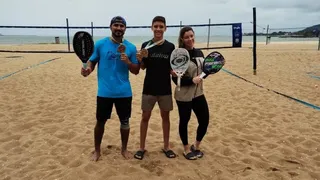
{"x":191,"y":97}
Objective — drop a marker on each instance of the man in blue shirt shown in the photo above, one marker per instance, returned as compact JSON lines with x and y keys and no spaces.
{"x":115,"y":58}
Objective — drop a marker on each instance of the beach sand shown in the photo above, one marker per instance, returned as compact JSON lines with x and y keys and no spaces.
{"x":47,"y":116}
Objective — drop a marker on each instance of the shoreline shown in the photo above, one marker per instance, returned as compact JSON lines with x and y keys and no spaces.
{"x":197,"y":43}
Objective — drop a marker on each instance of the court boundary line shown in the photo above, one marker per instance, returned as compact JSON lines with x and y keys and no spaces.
{"x":315,"y":77}
{"x":26,"y":68}
{"x":279,"y":93}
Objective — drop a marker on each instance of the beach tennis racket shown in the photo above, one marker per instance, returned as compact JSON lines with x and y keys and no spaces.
{"x":179,"y":62}
{"x":212,"y":63}
{"x":83,"y":46}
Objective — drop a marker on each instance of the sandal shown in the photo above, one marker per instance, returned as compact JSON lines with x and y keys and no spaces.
{"x":139,"y":154}
{"x":169,"y":153}
{"x":190,"y":156}
{"x":198,"y":153}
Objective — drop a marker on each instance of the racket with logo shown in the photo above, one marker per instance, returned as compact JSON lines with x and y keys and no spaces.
{"x":179,"y":62}
{"x":83,"y":46}
{"x":212,"y":63}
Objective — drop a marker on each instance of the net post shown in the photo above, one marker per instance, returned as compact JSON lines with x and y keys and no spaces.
{"x":92,"y":29}
{"x":254,"y":42}
{"x":208,"y":33}
{"x":180,"y":24}
{"x":319,"y":42}
{"x":267,"y":36}
{"x":67,"y":21}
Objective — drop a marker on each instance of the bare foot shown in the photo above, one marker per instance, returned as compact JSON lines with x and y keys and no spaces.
{"x":125,"y":154}
{"x":95,"y":156}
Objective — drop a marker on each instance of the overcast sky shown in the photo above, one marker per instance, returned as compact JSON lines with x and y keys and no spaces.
{"x":276,"y":13}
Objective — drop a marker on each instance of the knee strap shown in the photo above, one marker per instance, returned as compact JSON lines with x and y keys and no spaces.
{"x":124,"y":124}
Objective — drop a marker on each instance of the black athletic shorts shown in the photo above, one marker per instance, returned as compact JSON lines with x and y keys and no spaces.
{"x":104,"y":108}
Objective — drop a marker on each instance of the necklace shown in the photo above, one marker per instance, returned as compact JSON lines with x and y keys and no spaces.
{"x":144,"y":52}
{"x":121,"y":48}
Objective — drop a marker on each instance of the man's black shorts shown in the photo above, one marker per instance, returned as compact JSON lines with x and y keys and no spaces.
{"x":104,"y":108}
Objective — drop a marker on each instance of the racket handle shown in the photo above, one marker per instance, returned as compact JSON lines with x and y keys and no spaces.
{"x":202,"y":75}
{"x":179,"y":83}
{"x":84,"y":65}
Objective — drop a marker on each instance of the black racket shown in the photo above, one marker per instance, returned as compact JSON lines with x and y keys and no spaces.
{"x":83,"y":46}
{"x":212,"y":63}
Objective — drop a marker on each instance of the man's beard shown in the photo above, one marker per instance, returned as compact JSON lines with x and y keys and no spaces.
{"x":118,"y":34}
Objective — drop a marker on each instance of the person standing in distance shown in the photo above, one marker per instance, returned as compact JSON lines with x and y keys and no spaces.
{"x":115,"y":57}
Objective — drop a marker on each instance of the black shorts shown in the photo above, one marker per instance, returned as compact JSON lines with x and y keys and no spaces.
{"x":105,"y":105}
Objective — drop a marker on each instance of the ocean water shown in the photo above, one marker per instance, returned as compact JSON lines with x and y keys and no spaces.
{"x":32,"y":39}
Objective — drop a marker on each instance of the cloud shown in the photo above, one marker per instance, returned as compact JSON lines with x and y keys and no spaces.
{"x":299,"y":5}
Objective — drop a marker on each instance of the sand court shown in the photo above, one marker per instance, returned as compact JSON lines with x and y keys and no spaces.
{"x":47,"y":118}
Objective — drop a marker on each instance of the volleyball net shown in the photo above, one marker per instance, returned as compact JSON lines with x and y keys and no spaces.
{"x":293,"y":34}
{"x":59,"y":38}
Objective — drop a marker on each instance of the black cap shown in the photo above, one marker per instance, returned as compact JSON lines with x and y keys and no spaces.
{"x":118,"y":19}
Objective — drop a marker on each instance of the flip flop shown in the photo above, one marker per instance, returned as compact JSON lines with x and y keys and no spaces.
{"x":139,"y":154}
{"x":190,"y":156}
{"x":198,"y":153}
{"x":169,"y":153}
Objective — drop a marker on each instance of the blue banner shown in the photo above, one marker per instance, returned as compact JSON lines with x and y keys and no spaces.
{"x":237,"y":35}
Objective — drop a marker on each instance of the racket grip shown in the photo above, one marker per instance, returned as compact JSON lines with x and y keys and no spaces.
{"x":202,"y":75}
{"x":84,"y":65}
{"x":179,"y":83}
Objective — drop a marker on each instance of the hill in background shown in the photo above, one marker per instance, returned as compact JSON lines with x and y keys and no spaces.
{"x":312,"y":31}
